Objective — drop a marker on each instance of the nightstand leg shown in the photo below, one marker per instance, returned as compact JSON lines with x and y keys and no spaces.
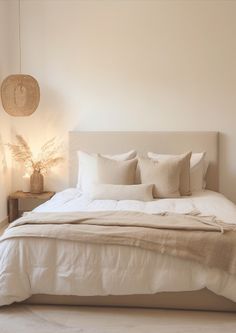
{"x":13,"y":211}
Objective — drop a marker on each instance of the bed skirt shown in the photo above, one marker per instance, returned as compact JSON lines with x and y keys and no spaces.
{"x":188,"y":300}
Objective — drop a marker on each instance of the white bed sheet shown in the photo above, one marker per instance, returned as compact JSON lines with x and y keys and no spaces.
{"x":49,"y":266}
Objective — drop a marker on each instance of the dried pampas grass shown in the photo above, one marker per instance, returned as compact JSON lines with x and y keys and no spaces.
{"x":47,"y":158}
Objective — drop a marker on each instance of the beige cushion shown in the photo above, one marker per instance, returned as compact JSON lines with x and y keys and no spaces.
{"x":165,"y":175}
{"x":140,"y":192}
{"x":184,"y":186}
{"x":88,"y":167}
{"x":198,"y":169}
{"x":116,"y":172}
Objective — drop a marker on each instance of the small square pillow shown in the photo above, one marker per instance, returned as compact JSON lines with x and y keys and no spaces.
{"x":165,"y":175}
{"x":87,"y":167}
{"x":141,"y":192}
{"x":184,"y":186}
{"x":115,"y":172}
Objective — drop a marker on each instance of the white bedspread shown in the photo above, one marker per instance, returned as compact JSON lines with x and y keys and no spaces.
{"x":49,"y":266}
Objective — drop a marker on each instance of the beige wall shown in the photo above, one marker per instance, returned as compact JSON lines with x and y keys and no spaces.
{"x":132,"y":65}
{"x":5,"y":183}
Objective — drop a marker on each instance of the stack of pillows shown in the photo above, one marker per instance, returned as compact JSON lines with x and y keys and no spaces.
{"x":126,"y":177}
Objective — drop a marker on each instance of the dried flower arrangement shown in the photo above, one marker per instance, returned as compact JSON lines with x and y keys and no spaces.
{"x":47,"y":159}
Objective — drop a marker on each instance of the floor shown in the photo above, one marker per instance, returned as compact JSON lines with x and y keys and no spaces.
{"x":66,"y":319}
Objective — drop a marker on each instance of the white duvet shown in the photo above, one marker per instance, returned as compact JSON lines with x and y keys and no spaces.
{"x":51,"y":266}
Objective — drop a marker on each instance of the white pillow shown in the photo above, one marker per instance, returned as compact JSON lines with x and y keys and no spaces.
{"x":87,"y":166}
{"x":141,"y":192}
{"x":121,"y":157}
{"x":197,"y":171}
{"x":198,"y":168}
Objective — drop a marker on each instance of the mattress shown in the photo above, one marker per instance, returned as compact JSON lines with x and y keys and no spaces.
{"x":31,"y":266}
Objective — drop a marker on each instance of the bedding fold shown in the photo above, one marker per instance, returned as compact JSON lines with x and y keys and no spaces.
{"x":193,"y":237}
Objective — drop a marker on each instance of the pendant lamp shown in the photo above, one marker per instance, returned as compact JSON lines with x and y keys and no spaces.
{"x":20,"y":93}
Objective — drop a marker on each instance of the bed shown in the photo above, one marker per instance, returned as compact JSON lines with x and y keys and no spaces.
{"x":111,"y":274}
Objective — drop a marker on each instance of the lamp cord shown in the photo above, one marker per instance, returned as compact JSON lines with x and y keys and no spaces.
{"x":19,"y":32}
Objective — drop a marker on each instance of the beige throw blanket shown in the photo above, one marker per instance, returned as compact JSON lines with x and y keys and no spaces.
{"x":185,"y":236}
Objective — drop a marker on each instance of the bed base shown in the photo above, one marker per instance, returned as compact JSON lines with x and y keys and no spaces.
{"x":190,"y":300}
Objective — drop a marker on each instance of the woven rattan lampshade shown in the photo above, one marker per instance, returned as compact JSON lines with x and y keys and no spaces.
{"x":20,"y":95}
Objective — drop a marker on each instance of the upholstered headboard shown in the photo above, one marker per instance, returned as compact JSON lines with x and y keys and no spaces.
{"x":162,"y":142}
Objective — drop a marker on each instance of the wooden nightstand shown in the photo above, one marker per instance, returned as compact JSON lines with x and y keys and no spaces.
{"x":13,"y":201}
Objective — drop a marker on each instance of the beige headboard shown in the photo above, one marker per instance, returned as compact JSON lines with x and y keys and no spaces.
{"x":162,"y":142}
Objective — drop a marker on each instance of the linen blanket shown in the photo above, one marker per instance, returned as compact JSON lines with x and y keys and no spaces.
{"x":202,"y":239}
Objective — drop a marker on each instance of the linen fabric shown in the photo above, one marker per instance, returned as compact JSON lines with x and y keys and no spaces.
{"x":184,"y":185}
{"x":200,"y":240}
{"x":198,"y":169}
{"x":87,"y":164}
{"x":164,"y":175}
{"x":197,"y":173}
{"x":116,"y":172}
{"x":141,"y":192}
{"x":85,"y":269}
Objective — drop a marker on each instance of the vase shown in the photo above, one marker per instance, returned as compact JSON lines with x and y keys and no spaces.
{"x":36,"y":182}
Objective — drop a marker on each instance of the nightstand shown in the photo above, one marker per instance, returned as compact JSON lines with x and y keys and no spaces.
{"x":13,"y":201}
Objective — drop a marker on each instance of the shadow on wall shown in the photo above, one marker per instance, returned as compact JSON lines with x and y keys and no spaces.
{"x":3,"y":161}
